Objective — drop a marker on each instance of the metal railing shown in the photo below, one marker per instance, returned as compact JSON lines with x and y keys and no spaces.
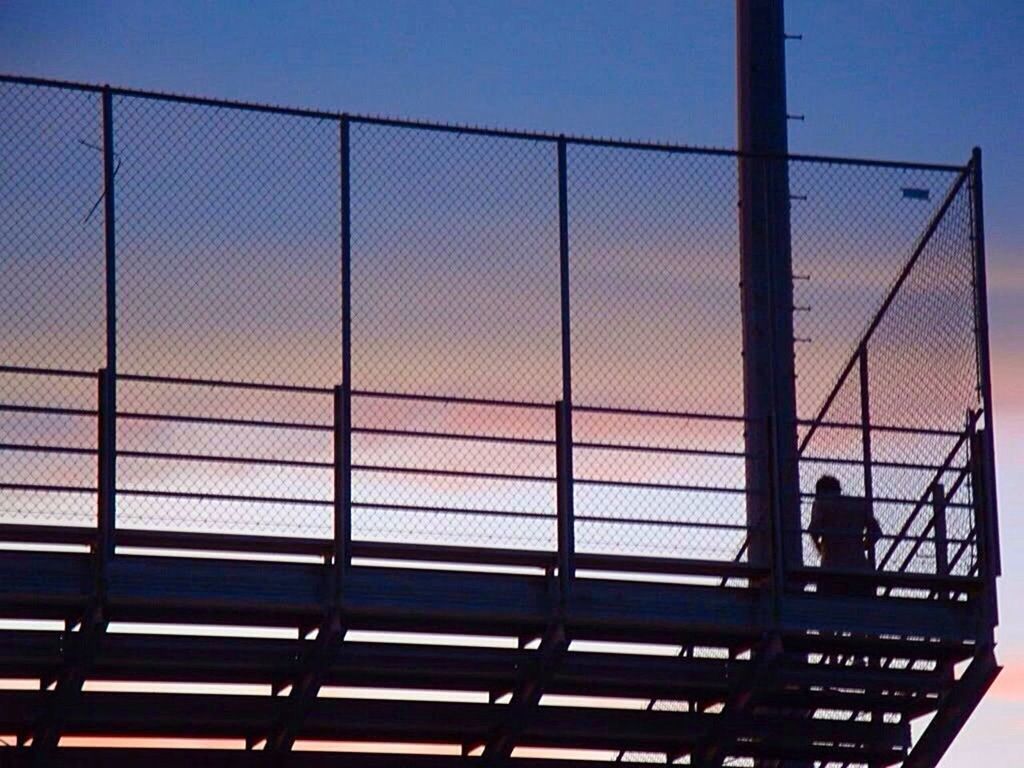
{"x":338,"y":334}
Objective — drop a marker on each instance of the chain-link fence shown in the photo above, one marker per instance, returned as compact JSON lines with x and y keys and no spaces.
{"x":889,"y":383}
{"x":482,"y":276}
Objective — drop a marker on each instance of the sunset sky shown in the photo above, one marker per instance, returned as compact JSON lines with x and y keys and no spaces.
{"x":914,"y":80}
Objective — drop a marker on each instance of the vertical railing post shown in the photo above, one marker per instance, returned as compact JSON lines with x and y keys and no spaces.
{"x":107,"y":395}
{"x":865,"y":439}
{"x":342,"y":549}
{"x":566,"y":517}
{"x":991,"y":541}
{"x":939,"y":524}
{"x":343,"y":393}
{"x":563,"y":408}
{"x":105,"y":464}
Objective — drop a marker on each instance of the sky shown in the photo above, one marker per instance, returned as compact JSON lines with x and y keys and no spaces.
{"x":913,"y":80}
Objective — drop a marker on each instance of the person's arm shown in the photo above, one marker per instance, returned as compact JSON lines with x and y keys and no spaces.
{"x":873,"y":532}
{"x":817,"y":526}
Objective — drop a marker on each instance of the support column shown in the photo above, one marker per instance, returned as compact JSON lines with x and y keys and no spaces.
{"x":767,"y":286}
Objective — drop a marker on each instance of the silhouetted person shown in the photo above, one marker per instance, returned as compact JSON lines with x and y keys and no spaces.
{"x":844,"y":532}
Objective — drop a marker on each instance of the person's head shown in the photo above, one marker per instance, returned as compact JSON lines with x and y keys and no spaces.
{"x":827,"y":485}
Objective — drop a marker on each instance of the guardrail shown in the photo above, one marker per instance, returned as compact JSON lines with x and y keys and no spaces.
{"x":401,"y":337}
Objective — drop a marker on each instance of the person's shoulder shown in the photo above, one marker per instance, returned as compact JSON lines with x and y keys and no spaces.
{"x":856,"y":504}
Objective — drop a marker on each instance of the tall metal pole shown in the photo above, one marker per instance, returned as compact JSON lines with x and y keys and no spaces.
{"x":563,"y":408}
{"x":108,"y":376}
{"x":767,"y":287}
{"x":343,"y":394}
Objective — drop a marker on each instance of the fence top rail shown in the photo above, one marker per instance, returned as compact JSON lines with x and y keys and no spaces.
{"x":463,"y":129}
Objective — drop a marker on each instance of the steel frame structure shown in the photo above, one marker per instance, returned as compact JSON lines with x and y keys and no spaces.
{"x":782,"y":652}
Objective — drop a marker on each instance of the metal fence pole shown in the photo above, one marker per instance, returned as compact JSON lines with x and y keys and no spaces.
{"x":107,"y":438}
{"x":991,"y":542}
{"x":105,"y":466}
{"x":343,"y":393}
{"x":941,"y":537}
{"x":566,"y":516}
{"x":563,"y":409}
{"x":865,"y":435}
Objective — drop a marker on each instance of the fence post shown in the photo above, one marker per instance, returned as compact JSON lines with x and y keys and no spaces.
{"x":991,"y":542}
{"x":566,"y":516}
{"x":107,"y":395}
{"x":563,"y":408}
{"x":343,"y":393}
{"x":105,"y":467}
{"x":342,"y":486}
{"x":865,"y":439}
{"x":941,"y":537}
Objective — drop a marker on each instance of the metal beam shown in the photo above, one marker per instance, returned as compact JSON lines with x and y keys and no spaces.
{"x":306,"y":683}
{"x":716,"y":747}
{"x":526,"y":696}
{"x":218,"y":716}
{"x":954,"y":711}
{"x":43,"y":584}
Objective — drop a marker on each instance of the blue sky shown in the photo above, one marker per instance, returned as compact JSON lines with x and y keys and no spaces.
{"x":915,"y":79}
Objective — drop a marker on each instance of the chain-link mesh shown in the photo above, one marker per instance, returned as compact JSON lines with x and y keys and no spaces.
{"x":51,"y":302}
{"x":228,"y":269}
{"x":229,"y":336}
{"x":455,"y":294}
{"x":654,"y":261}
{"x":911,"y":369}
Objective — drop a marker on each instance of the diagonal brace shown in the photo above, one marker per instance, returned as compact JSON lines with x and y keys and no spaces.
{"x":527,"y":694}
{"x":715,"y":748}
{"x":307,"y":683}
{"x":79,"y":652}
{"x":955,"y":709}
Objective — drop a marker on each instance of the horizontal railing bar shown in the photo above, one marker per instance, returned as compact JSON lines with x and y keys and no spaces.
{"x":291,"y":501}
{"x":902,"y":502}
{"x":876,"y":463}
{"x":937,"y":432}
{"x":286,"y":500}
{"x":660,"y":486}
{"x":626,"y":448}
{"x":223,"y":383}
{"x":663,"y":523}
{"x":42,"y":488}
{"x":452,"y":436}
{"x":465,"y":129}
{"x":225,"y":422}
{"x":56,"y":372}
{"x":44,"y":410}
{"x":429,"y":509}
{"x":28,"y":448}
{"x":483,"y":401}
{"x":218,"y":459}
{"x":451,"y":473}
{"x":659,"y":414}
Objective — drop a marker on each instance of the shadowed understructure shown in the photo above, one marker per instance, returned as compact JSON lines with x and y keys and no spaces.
{"x":451,"y":423}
